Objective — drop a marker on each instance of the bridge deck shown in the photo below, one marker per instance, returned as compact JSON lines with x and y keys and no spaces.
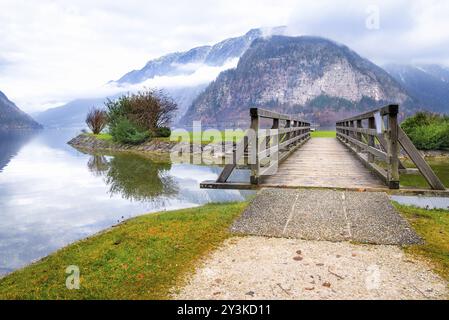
{"x":323,"y":162}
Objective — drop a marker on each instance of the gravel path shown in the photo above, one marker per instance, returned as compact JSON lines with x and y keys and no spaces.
{"x":325,"y":215}
{"x":275,"y":268}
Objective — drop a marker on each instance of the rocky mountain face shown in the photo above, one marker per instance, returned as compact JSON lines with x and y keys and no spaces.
{"x":428,"y":84}
{"x":11,"y":117}
{"x":317,"y":78}
{"x":173,"y":64}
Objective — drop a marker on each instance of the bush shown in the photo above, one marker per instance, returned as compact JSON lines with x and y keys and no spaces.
{"x":428,"y":131}
{"x":96,"y":120}
{"x":147,"y":113}
{"x":148,"y":109}
{"x":125,"y":132}
{"x":163,"y":132}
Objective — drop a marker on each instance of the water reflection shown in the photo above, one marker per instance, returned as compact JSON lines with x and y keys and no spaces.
{"x":10,"y":144}
{"x":52,"y":194}
{"x":135,"y":177}
{"x":423,"y":202}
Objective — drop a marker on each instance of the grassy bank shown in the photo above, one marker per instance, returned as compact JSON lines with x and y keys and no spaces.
{"x":439,"y":165}
{"x":205,"y":139}
{"x":140,"y":259}
{"x":323,"y":134}
{"x":433,"y":227}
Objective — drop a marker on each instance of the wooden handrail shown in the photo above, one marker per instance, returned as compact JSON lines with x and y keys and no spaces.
{"x":383,"y":144}
{"x":269,"y":147}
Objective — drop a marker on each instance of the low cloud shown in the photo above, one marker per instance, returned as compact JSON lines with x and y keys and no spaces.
{"x":200,"y":74}
{"x":56,"y":51}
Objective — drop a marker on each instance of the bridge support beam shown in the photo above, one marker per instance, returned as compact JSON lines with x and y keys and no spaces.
{"x":393,"y":147}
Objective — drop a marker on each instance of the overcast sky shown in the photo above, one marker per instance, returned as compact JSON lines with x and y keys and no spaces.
{"x":55,"y":51}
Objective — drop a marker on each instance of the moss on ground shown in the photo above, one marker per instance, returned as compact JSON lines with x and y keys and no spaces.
{"x":433,"y":227}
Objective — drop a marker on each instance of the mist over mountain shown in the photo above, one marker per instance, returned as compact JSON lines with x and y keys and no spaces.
{"x":184,"y":63}
{"x":11,"y":117}
{"x":72,"y":114}
{"x":315,"y":77}
{"x":169,"y":67}
{"x":428,"y":84}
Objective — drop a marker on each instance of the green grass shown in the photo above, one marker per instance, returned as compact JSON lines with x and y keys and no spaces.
{"x":205,"y":137}
{"x":190,"y":135}
{"x":439,"y":165}
{"x":101,"y":136}
{"x":141,"y":258}
{"x":324,"y":134}
{"x":433,"y":227}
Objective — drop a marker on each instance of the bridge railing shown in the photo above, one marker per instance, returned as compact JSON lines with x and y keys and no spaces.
{"x":287,"y":133}
{"x":263,"y":149}
{"x":376,"y":137}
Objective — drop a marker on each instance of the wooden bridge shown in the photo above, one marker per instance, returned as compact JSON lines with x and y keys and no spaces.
{"x":365,"y":155}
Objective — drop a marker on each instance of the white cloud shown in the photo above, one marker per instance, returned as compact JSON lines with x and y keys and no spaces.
{"x":53,"y":51}
{"x":201,"y":74}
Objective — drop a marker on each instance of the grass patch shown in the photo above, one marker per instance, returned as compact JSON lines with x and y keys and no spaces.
{"x":189,"y":135}
{"x":206,"y":137}
{"x":323,"y":134}
{"x":101,"y":136}
{"x":439,"y":165}
{"x":141,"y":258}
{"x":433,"y":227}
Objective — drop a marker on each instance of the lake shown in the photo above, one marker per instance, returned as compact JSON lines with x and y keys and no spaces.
{"x":52,"y":195}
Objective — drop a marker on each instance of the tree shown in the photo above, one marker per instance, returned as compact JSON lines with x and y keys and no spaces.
{"x":134,"y":118}
{"x":96,"y":120}
{"x":152,"y":109}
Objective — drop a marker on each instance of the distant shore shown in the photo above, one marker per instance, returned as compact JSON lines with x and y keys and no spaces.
{"x":90,"y":142}
{"x":96,"y":143}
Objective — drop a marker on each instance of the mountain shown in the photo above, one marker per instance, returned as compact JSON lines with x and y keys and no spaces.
{"x":315,"y":77}
{"x":11,"y":117}
{"x":72,"y":114}
{"x":429,"y":84}
{"x":174,"y":64}
{"x":184,"y":63}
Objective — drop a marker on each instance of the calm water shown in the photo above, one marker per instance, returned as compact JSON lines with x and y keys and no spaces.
{"x":52,"y":195}
{"x":423,"y":202}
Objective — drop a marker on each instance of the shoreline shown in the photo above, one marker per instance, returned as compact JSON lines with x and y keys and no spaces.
{"x":88,"y":142}
{"x":156,"y":145}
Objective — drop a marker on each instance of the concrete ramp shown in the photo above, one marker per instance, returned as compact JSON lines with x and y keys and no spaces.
{"x":363,"y":217}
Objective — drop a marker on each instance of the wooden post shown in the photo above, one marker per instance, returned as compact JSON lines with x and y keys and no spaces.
{"x":371,"y":125}
{"x":255,"y":167}
{"x":359,"y":134}
{"x":288,"y":135}
{"x":393,"y":148}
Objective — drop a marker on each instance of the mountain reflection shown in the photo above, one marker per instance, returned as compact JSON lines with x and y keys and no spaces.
{"x":10,"y":144}
{"x":135,"y":177}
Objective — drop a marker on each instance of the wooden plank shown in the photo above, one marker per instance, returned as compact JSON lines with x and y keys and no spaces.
{"x":374,"y":151}
{"x":262,"y":113}
{"x":210,"y":184}
{"x":431,"y":178}
{"x":371,"y":132}
{"x":380,"y":172}
{"x":322,"y":163}
{"x":390,"y":109}
{"x":383,"y":144}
